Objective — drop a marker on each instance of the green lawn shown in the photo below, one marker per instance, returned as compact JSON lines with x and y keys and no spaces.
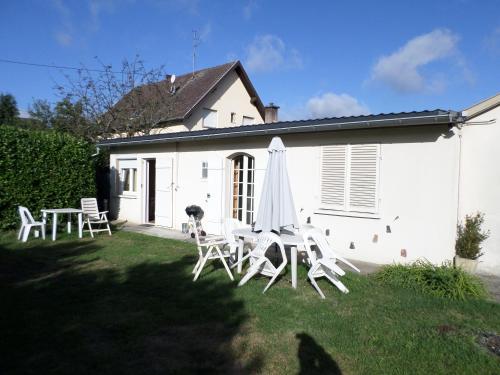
{"x":127,"y":304}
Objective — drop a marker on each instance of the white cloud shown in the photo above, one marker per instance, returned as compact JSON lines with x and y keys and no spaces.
{"x":268,"y":52}
{"x":64,"y":35}
{"x":492,"y":42}
{"x":402,"y":69}
{"x":63,"y":38}
{"x":24,"y":114}
{"x":335,"y":105}
{"x":96,"y":8}
{"x":250,"y":7}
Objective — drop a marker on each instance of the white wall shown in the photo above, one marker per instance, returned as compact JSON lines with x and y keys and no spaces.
{"x":480,"y":182}
{"x":418,"y":188}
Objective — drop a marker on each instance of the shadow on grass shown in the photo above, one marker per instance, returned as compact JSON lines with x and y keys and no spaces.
{"x":64,"y":315}
{"x":313,"y":358}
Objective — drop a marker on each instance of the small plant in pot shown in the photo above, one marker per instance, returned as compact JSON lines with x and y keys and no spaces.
{"x":468,"y":244}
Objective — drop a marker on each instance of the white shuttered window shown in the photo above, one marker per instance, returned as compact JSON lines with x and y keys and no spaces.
{"x":349,"y":177}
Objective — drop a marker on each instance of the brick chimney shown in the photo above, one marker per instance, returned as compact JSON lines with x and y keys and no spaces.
{"x":271,"y":113}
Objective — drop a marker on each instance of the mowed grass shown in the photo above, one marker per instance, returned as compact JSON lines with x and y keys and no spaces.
{"x":126,"y":304}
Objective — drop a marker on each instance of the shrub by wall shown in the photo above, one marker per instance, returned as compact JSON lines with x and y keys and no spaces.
{"x":442,"y":281}
{"x":42,"y":169}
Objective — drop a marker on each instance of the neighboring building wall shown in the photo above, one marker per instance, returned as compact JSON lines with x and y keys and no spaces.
{"x":480,"y":182}
{"x":229,"y":96}
{"x":417,"y":189}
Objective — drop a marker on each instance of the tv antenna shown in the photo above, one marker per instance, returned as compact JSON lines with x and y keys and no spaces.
{"x":196,"y":43}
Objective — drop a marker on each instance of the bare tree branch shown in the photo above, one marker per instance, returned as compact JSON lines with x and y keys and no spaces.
{"x":131,"y":102}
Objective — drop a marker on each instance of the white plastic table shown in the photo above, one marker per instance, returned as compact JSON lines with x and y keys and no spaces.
{"x":62,"y":211}
{"x":293,"y":240}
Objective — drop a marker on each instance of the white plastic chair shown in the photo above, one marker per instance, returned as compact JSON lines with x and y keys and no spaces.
{"x":92,"y":216}
{"x":209,"y":249}
{"x":235,"y":244}
{"x":27,"y":222}
{"x":259,"y":263}
{"x":323,"y":261}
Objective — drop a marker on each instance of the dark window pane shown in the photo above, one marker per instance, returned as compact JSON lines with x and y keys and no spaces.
{"x":250,"y":163}
{"x":240,"y":215}
{"x":126,"y":179}
{"x":249,"y":218}
{"x":240,"y":202}
{"x":240,"y":176}
{"x":249,"y":190}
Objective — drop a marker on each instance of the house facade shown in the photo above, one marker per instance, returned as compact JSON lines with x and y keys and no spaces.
{"x":385,"y":188}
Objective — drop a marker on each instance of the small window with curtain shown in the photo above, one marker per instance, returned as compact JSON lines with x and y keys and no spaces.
{"x":350,"y":177}
{"x":128,"y":176}
{"x":204,"y":170}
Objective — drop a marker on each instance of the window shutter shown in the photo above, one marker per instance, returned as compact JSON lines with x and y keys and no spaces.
{"x":363,"y":172}
{"x":209,"y":118}
{"x":333,"y":175}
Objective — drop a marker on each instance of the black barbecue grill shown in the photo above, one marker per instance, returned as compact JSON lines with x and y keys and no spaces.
{"x":196,"y":212}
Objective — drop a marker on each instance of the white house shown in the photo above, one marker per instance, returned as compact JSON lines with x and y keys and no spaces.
{"x":388,"y":187}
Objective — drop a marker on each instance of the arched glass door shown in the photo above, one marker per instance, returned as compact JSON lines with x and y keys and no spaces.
{"x":242,"y":197}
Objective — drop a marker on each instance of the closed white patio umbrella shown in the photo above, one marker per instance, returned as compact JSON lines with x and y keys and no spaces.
{"x":276,"y":208}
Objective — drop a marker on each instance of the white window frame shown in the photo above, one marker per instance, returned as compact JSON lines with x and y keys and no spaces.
{"x":204,"y":170}
{"x":245,"y":210}
{"x":346,"y":206}
{"x":250,"y":122}
{"x":131,"y":166}
{"x":206,"y":112}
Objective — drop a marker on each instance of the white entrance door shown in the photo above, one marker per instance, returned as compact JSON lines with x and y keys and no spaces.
{"x":163,"y":204}
{"x":212,"y":222}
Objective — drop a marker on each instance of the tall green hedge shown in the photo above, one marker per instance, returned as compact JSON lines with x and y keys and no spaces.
{"x":42,"y":169}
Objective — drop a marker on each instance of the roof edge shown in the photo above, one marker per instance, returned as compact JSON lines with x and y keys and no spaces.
{"x":482,"y":106}
{"x":238,"y":67}
{"x":423,"y":118}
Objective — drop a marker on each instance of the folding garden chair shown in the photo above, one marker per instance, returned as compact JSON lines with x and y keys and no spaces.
{"x":27,"y":222}
{"x":323,"y":261}
{"x":92,"y":216}
{"x":210,"y":249}
{"x":260,"y":263}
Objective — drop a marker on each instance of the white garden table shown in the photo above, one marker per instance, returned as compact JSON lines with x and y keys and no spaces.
{"x":295,"y":241}
{"x":62,"y":211}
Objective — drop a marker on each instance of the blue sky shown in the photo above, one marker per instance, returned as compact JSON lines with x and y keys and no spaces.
{"x":314,"y":59}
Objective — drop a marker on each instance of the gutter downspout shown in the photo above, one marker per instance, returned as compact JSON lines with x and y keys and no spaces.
{"x":460,"y":133}
{"x":97,"y":151}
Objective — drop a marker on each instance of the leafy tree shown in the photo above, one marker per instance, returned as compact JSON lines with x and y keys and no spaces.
{"x":42,"y":113}
{"x":69,"y":117}
{"x":65,"y":116}
{"x":8,"y":109}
